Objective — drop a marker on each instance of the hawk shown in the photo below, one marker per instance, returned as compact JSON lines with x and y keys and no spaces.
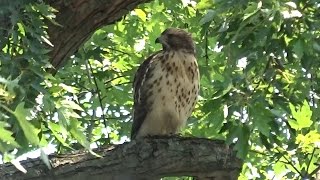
{"x":166,"y":86}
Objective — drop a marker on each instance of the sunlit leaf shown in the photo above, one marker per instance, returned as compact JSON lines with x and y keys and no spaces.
{"x":141,"y":14}
{"x":302,"y":116}
{"x":68,"y":88}
{"x":6,"y":135}
{"x":60,"y":133}
{"x":204,"y":4}
{"x":71,"y":105}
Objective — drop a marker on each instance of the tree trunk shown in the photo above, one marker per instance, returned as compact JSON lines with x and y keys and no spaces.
{"x":150,"y":158}
{"x":78,"y":20}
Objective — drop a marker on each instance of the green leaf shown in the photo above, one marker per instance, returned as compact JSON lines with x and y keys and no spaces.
{"x":60,"y":133}
{"x":69,"y":88}
{"x":298,"y":49}
{"x":252,"y":8}
{"x":208,"y":17}
{"x":261,"y":120}
{"x":63,"y":121}
{"x":263,"y":126}
{"x":264,"y":141}
{"x":241,"y":134}
{"x":78,"y":134}
{"x":316,"y":46}
{"x":227,"y":86}
{"x":30,"y":132}
{"x":141,"y":14}
{"x":294,"y":124}
{"x":6,"y":135}
{"x":71,"y":105}
{"x":302,"y":116}
{"x":279,"y":167}
{"x":204,"y":4}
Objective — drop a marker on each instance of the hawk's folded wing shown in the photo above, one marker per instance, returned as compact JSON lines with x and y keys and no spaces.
{"x":140,"y":90}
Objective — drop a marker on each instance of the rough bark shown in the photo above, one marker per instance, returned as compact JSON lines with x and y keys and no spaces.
{"x":149,"y":158}
{"x":78,"y":20}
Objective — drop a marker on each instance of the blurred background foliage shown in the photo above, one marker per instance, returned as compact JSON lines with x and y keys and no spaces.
{"x":259,"y":64}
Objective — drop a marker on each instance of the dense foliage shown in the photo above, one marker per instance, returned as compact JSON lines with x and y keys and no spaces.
{"x":259,"y":64}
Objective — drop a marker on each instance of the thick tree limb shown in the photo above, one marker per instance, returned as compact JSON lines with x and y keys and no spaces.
{"x":78,"y":20}
{"x":140,"y":159}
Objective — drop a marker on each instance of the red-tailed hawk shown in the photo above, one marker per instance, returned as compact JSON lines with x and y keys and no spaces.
{"x":166,"y":86}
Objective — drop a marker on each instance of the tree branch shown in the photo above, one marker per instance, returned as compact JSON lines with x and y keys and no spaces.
{"x":149,"y":158}
{"x":78,"y":20}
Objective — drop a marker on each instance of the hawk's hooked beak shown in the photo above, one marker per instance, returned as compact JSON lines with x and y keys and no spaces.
{"x":157,"y":41}
{"x":163,"y":42}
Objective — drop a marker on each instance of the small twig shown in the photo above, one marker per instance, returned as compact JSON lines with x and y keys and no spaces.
{"x":258,"y":152}
{"x":312,"y":89}
{"x":279,"y":64}
{"x":129,"y":82}
{"x":99,"y":95}
{"x":91,"y":126}
{"x":291,"y":164}
{"x":110,"y":80}
{"x":315,"y":171}
{"x":279,"y":158}
{"x":110,"y":118}
{"x":305,"y":6}
{"x":206,"y":47}
{"x":267,"y":65}
{"x":88,"y":72}
{"x":81,"y":86}
{"x":312,"y":154}
{"x":117,"y":51}
{"x":6,"y":108}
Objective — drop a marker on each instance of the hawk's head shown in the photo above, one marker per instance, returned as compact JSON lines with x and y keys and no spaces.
{"x":176,"y":39}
